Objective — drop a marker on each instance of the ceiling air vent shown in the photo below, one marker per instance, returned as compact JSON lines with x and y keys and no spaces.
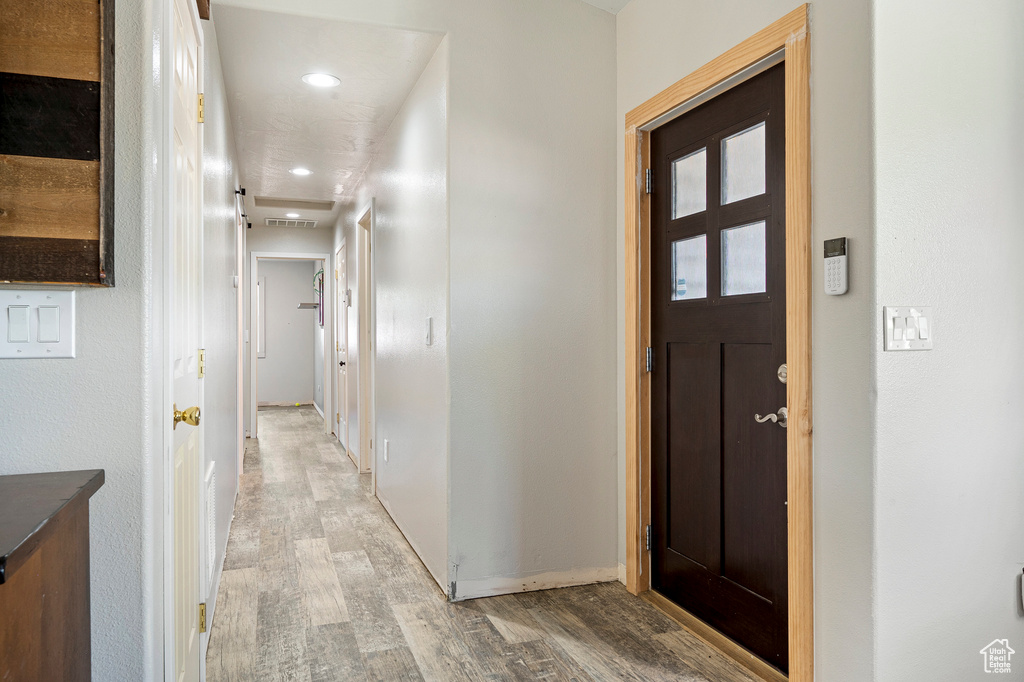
{"x":284,"y":222}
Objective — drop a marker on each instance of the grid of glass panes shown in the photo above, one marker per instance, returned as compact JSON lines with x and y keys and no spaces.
{"x":743,"y":248}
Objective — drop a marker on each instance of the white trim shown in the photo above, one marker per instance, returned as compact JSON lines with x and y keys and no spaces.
{"x":240,"y":241}
{"x":317,"y":408}
{"x":490,"y":587}
{"x":254,"y":258}
{"x":367,"y":322}
{"x":163,"y":233}
{"x":340,"y":310}
{"x":156,"y":194}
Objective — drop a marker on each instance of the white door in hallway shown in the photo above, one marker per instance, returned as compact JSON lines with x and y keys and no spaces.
{"x":185,"y":336}
{"x":341,"y":346}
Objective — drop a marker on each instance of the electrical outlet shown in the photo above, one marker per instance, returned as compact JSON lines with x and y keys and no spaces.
{"x":386,"y":450}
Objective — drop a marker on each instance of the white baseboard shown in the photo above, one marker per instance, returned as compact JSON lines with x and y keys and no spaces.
{"x":317,"y":408}
{"x":491,"y":587}
{"x":280,"y":404}
{"x":622,"y":573}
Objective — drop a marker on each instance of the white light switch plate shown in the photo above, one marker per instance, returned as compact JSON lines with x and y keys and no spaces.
{"x":908,"y":327}
{"x":58,"y":324}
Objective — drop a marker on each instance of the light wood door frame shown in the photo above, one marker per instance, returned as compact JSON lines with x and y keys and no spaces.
{"x":786,"y":40}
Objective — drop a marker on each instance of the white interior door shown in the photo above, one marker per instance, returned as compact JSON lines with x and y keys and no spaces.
{"x":186,"y":337}
{"x":341,"y":347}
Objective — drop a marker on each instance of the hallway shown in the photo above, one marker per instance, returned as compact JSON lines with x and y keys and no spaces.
{"x":319,"y":584}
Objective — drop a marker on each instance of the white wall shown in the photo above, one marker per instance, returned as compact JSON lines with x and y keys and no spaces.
{"x":531,"y":348}
{"x":661,"y":41}
{"x":318,"y":337}
{"x":532,"y":351}
{"x":949,"y":510}
{"x":220,"y":387}
{"x":285,"y":373}
{"x":409,"y":179}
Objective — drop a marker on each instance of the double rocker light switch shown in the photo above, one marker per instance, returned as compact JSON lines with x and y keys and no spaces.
{"x":37,"y":324}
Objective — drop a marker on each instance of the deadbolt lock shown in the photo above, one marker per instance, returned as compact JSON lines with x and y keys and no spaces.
{"x":782,"y":373}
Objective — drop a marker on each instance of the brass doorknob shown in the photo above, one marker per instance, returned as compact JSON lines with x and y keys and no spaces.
{"x":190,"y":416}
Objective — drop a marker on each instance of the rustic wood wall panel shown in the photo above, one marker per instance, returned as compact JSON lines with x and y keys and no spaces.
{"x":56,"y":142}
{"x":45,"y":197}
{"x":56,"y":38}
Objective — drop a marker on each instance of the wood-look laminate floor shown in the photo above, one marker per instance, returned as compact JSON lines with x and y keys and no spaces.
{"x":319,"y":584}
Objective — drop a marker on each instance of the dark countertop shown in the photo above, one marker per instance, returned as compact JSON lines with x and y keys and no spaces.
{"x":29,"y":503}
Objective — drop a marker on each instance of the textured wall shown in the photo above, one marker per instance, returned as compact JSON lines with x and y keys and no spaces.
{"x":220,"y":302}
{"x":91,"y":411}
{"x":949,"y":510}
{"x":659,"y":42}
{"x":285,"y":374}
{"x":409,"y":178}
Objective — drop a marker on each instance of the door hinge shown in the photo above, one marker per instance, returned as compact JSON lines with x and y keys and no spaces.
{"x":202,"y":108}
{"x":647,"y":537}
{"x":202,"y":617}
{"x":650,"y":359}
{"x":647,"y":175}
{"x":202,"y":363}
{"x":337,"y":417}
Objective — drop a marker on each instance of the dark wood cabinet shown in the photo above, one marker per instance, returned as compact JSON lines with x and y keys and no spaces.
{"x":44,"y":575}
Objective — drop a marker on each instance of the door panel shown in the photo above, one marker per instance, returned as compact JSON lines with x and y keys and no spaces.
{"x":718,"y":335}
{"x":186,"y":323}
{"x":752,"y":478}
{"x":694,"y":517}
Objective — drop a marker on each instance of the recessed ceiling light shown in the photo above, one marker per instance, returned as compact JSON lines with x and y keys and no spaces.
{"x":321,"y":80}
{"x":291,"y":215}
{"x":300,"y":171}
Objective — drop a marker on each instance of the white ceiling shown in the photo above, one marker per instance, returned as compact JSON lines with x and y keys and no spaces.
{"x":280,"y":122}
{"x":612,"y":6}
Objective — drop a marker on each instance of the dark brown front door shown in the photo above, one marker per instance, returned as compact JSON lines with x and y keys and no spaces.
{"x":718,"y":318}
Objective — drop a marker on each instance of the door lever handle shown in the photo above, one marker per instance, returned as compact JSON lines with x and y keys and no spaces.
{"x":782,"y":417}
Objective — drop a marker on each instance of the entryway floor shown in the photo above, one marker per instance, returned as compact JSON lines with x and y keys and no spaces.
{"x":319,"y":584}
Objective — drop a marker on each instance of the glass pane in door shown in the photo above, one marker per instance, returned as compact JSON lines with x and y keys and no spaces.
{"x":690,"y":268}
{"x":744,"y":266}
{"x":743,"y":164}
